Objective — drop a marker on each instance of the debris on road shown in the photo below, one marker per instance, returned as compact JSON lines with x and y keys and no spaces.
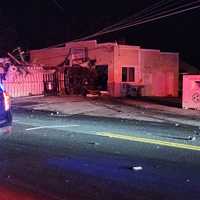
{"x":196,"y":132}
{"x":136,"y":168}
{"x":192,"y":138}
{"x":94,"y":143}
{"x":188,"y":180}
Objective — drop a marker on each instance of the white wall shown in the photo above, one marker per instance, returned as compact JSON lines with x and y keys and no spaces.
{"x":22,"y":84}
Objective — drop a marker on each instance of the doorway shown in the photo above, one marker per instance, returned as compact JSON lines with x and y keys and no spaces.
{"x":102,"y":77}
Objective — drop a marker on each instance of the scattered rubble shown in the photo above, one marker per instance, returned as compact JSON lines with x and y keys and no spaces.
{"x":136,"y":168}
{"x":188,"y":180}
{"x":192,"y":138}
{"x":196,"y":132}
{"x":94,"y":143}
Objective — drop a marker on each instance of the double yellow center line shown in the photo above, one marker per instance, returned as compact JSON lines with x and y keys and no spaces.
{"x":149,"y":141}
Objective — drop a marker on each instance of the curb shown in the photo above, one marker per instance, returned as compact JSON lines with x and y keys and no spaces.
{"x":27,"y":97}
{"x":84,"y":116}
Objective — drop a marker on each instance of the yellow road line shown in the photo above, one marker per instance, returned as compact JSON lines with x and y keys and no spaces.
{"x":149,"y":141}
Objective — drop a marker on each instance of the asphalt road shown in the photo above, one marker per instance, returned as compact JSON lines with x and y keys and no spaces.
{"x":76,"y":157}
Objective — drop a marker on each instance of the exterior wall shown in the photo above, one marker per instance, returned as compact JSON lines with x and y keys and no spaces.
{"x":191,"y":92}
{"x":17,"y":84}
{"x":51,"y":56}
{"x":104,"y":55}
{"x":150,"y":65}
{"x":89,"y":44}
{"x":160,"y":73}
{"x":155,"y":72}
{"x":169,"y":65}
{"x":126,"y":56}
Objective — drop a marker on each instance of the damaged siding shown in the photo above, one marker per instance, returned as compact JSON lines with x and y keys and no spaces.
{"x":22,"y":84}
{"x":50,"y":57}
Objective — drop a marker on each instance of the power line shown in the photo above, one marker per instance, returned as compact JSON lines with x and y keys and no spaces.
{"x":150,"y":8}
{"x":58,"y":5}
{"x":152,"y":18}
{"x":140,"y":22}
{"x":161,"y":8}
{"x":142,"y":13}
{"x":155,"y":15}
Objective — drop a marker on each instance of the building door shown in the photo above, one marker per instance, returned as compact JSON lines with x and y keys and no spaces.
{"x":102,"y":77}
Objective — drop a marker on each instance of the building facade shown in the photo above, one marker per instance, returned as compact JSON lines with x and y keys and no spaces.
{"x":124,"y":69}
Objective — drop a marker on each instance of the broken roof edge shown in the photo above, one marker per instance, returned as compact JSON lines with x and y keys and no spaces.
{"x":159,"y":51}
{"x":94,"y":43}
{"x":102,"y":44}
{"x":53,"y":48}
{"x":129,"y":46}
{"x":173,"y":53}
{"x":152,"y":50}
{"x":106,"y":44}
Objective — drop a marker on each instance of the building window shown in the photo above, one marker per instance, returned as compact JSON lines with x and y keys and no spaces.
{"x":124,"y":74}
{"x":128,"y":74}
{"x":131,"y":74}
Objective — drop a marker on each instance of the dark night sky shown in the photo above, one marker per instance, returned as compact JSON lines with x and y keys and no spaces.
{"x":36,"y":24}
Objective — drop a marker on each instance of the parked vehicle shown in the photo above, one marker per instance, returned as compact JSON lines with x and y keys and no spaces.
{"x":5,"y":111}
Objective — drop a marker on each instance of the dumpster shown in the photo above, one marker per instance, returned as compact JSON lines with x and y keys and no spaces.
{"x":191,"y":92}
